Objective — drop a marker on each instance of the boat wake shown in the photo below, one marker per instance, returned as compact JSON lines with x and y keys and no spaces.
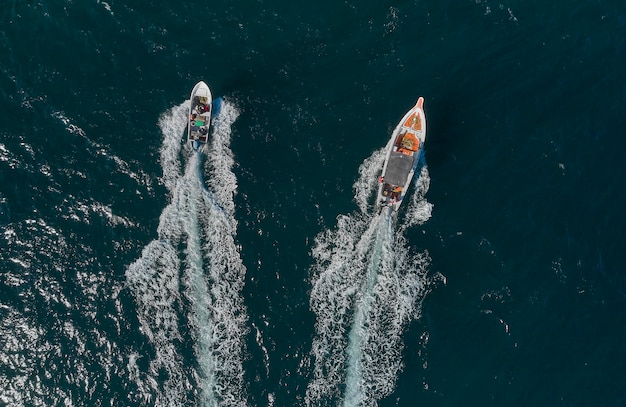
{"x":192,"y":275}
{"x":367,"y":284}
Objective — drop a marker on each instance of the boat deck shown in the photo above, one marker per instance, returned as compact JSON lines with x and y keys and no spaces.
{"x":199,"y":119}
{"x":398,"y":168}
{"x":403,"y":157}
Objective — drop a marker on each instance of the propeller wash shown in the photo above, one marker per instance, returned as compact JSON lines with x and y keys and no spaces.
{"x":193,"y":275}
{"x":367,"y":285}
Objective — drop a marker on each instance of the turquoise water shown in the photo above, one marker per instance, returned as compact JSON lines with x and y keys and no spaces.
{"x":136,"y":272}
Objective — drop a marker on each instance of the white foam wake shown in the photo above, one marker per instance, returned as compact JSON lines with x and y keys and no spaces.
{"x":209,"y":269}
{"x":367,"y":285}
{"x":419,"y":210}
{"x":367,"y":183}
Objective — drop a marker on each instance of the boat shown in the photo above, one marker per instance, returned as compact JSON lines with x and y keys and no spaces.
{"x":404,"y":150}
{"x":200,"y":107}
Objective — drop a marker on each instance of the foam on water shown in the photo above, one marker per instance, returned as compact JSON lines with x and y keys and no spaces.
{"x":222,"y":183}
{"x":153,"y":280}
{"x":367,"y":284}
{"x":209,"y":270}
{"x":367,"y":183}
{"x":419,"y":210}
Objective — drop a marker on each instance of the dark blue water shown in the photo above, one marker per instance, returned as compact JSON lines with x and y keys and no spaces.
{"x":136,"y":272}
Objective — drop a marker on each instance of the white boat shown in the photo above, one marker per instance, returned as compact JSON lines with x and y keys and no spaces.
{"x":199,"y":114}
{"x":404,"y":151}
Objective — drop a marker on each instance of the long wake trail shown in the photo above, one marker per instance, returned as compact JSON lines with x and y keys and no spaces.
{"x":193,"y":267}
{"x":367,"y":285}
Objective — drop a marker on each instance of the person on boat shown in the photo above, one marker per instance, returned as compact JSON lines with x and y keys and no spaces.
{"x":395,"y":192}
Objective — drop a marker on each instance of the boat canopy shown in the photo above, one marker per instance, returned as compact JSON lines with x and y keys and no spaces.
{"x":398,"y":168}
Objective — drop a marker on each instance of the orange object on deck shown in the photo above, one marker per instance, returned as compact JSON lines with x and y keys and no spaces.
{"x":414,"y":121}
{"x":410,"y":142}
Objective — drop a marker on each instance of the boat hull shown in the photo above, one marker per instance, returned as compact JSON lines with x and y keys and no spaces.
{"x":404,"y":151}
{"x":199,"y":119}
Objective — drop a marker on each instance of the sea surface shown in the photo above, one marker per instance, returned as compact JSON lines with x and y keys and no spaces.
{"x":135,"y":271}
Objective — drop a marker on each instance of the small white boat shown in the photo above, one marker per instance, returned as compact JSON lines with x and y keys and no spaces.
{"x":199,"y":114}
{"x":404,"y":151}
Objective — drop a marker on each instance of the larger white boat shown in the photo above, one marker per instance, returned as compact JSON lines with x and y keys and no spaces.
{"x":200,"y":107}
{"x":404,"y":151}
